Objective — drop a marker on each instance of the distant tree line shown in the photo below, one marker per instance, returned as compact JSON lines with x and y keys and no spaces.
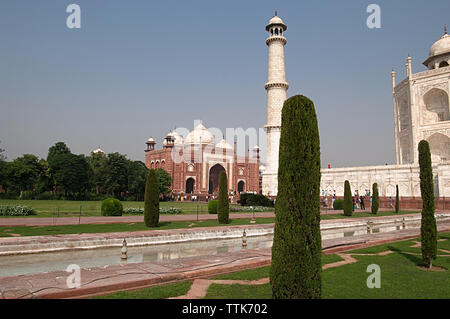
{"x":64,"y":175}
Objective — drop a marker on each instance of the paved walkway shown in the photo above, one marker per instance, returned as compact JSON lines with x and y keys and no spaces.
{"x":108,"y":279}
{"x":50,"y":221}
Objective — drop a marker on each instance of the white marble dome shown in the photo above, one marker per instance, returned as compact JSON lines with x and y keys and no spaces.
{"x":223,"y":144}
{"x":178,"y":139}
{"x":276,"y":20}
{"x":441,"y":46}
{"x":199,"y":134}
{"x":98,"y":150}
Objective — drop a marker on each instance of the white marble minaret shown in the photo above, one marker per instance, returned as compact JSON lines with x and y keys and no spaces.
{"x":276,"y":87}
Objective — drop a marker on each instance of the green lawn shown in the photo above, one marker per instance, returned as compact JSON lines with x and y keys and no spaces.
{"x":401,"y":277}
{"x":50,"y":208}
{"x":108,"y":228}
{"x":367,"y":214}
{"x":156,"y":292}
{"x":181,"y":288}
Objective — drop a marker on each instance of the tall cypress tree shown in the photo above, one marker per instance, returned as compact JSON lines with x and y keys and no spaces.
{"x":223,"y":207}
{"x":348,"y":204}
{"x":397,"y":200}
{"x":375,"y":199}
{"x":151,"y":200}
{"x":428,"y":230}
{"x":297,"y":246}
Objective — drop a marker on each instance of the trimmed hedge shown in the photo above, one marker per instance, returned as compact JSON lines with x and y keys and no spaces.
{"x":12,"y":210}
{"x":112,"y":207}
{"x":397,"y":200}
{"x":375,"y":199}
{"x":348,"y":203}
{"x":296,"y":267}
{"x":428,"y":229}
{"x":151,"y":200}
{"x":223,"y":206}
{"x":338,"y":204}
{"x":212,"y":206}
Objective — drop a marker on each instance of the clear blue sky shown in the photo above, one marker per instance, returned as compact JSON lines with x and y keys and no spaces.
{"x":136,"y":69}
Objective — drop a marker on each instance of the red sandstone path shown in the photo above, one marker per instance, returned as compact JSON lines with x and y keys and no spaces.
{"x":50,"y":221}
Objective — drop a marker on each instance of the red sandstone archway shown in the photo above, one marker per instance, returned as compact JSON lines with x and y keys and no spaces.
{"x":214,"y":178}
{"x":190,"y":182}
{"x":240,"y":186}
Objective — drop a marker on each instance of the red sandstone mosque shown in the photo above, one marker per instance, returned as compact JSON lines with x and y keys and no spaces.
{"x":194,"y":163}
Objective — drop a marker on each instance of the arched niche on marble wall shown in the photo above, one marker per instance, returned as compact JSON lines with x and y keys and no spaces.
{"x":436,"y":105}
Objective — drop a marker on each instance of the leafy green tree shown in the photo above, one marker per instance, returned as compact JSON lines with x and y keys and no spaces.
{"x":348,"y":204}
{"x":164,"y":181}
{"x":115,"y":173}
{"x":2,"y":168}
{"x":151,"y":200}
{"x":223,"y":206}
{"x":44,"y":182}
{"x":428,"y":229}
{"x":58,"y":149}
{"x":97,"y":163}
{"x":375,"y":199}
{"x":397,"y":200}
{"x":71,"y":173}
{"x":137,"y":175}
{"x":23,"y":173}
{"x":297,"y":247}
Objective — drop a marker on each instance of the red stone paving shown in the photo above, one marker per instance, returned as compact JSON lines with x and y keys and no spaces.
{"x":103,"y":280}
{"x":50,"y":221}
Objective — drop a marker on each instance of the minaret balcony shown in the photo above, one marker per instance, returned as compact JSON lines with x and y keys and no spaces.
{"x":276,"y":85}
{"x":274,"y":38}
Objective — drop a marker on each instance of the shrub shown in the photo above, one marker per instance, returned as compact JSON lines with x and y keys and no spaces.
{"x":297,"y":246}
{"x":375,"y":199}
{"x":428,"y":230}
{"x":162,"y":210}
{"x":338,"y":204}
{"x":11,"y":210}
{"x":212,"y":206}
{"x":133,"y":211}
{"x":151,"y":200}
{"x":9,"y":195}
{"x":112,"y":207}
{"x":45,"y":196}
{"x":223,"y":206}
{"x":397,"y":200}
{"x":348,"y":203}
{"x":249,"y":199}
{"x":27,"y":195}
{"x":170,"y":210}
{"x":249,"y":209}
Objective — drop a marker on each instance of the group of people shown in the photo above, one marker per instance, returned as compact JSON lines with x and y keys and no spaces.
{"x":358,"y":202}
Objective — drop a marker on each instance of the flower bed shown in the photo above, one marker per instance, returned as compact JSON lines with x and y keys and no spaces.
{"x":16,"y":211}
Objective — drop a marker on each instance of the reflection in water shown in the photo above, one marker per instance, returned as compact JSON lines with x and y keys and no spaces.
{"x":45,"y":262}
